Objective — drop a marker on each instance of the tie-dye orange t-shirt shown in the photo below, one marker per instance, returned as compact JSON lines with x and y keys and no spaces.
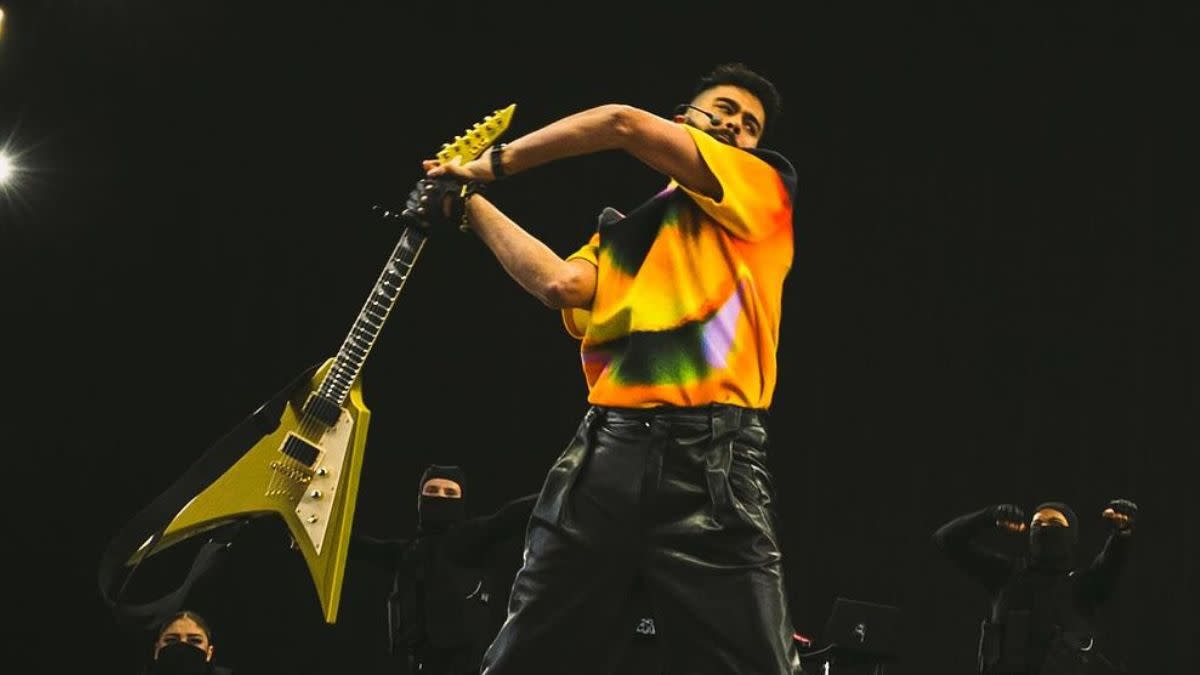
{"x":689,"y":290}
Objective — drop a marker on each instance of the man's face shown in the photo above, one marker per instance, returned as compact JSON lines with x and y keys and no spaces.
{"x":1049,"y":518}
{"x":740,"y":112}
{"x":185,"y":630}
{"x":441,"y":487}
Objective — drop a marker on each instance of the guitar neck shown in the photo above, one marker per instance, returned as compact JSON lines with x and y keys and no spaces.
{"x":325,"y":403}
{"x":366,"y":328}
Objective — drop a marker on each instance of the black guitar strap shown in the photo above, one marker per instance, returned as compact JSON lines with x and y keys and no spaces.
{"x":149,"y":524}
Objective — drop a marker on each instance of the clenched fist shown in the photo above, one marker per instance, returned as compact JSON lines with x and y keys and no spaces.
{"x":1009,"y":517}
{"x":1121,"y":513}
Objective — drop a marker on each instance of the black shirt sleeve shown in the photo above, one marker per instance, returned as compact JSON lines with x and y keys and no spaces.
{"x":380,"y":552}
{"x":956,"y":539}
{"x":1096,"y":583}
{"x":470,"y":540}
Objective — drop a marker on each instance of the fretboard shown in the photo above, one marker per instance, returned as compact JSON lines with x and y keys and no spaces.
{"x":357,"y":345}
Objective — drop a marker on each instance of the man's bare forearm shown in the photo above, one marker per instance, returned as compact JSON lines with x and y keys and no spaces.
{"x":583,"y":133}
{"x":539,"y":270}
{"x":661,"y":144}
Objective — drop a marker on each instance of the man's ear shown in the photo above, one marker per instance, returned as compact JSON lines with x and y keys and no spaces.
{"x":211,"y":648}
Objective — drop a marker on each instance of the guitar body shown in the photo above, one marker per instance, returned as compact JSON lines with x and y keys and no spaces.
{"x":314,"y":494}
{"x":298,"y":457}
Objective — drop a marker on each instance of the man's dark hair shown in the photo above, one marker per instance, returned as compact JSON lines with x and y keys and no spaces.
{"x":739,"y":75}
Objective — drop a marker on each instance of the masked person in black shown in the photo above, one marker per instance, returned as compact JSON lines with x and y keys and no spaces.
{"x":450,"y":582}
{"x":183,"y":646}
{"x":1042,"y":606}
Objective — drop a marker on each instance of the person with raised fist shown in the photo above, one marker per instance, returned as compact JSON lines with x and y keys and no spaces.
{"x":1042,"y":605}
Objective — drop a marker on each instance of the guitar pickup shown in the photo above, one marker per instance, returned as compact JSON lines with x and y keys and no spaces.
{"x":323,"y":409}
{"x":301,"y":450}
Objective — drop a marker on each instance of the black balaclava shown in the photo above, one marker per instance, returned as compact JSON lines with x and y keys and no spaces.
{"x":1053,"y":548}
{"x":180,"y":658}
{"x":437,"y":514}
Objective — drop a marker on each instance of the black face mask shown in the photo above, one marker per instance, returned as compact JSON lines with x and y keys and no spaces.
{"x":180,"y":658}
{"x":438,"y":514}
{"x":1051,"y":548}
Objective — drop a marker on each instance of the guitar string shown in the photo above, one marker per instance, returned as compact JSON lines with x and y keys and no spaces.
{"x":309,"y":424}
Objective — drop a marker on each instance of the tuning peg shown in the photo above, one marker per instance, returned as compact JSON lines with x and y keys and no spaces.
{"x":383,"y":213}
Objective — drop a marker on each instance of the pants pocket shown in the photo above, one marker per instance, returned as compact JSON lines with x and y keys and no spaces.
{"x":555,"y":494}
{"x":734,"y":491}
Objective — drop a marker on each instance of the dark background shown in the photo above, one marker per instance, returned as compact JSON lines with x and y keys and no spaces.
{"x":989,"y":303}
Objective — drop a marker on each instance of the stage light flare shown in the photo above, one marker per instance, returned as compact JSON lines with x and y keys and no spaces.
{"x":7,"y":169}
{"x":1,"y":22}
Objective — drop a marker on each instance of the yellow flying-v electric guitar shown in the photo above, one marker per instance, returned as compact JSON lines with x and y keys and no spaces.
{"x":299,"y":455}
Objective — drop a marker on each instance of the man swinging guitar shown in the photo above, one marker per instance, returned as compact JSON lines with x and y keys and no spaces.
{"x":298,"y":456}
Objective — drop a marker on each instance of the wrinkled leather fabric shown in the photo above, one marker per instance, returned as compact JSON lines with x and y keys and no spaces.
{"x":679,"y":498}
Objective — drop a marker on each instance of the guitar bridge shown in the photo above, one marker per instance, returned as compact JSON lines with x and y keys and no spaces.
{"x":297,"y":472}
{"x":291,"y":473}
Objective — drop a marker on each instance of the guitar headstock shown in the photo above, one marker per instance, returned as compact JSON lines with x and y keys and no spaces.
{"x":478,"y":138}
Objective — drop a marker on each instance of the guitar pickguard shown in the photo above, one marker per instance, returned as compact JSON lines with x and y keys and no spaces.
{"x":317,"y":501}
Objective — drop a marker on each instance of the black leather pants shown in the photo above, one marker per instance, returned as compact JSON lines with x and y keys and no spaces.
{"x":679,"y":497}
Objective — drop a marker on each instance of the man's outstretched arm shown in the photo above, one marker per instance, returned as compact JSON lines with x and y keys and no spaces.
{"x":660,"y":143}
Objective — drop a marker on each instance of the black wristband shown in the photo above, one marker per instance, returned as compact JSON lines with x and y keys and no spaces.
{"x":473,"y":187}
{"x":497,"y":165}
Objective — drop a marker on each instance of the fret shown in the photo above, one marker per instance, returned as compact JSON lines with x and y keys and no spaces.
{"x":365,"y":329}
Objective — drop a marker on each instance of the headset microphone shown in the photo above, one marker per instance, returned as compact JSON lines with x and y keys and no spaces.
{"x":682,"y":108}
